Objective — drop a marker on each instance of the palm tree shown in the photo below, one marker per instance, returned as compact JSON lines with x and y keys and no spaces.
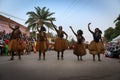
{"x":40,"y":17}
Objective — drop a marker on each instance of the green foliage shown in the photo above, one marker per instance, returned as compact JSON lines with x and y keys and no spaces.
{"x":108,"y":33}
{"x":33,"y":34}
{"x":41,"y":16}
{"x":117,"y":26}
{"x":52,"y":40}
{"x":111,"y":33}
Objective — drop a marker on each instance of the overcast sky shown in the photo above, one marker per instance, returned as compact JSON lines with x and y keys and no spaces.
{"x":77,"y":13}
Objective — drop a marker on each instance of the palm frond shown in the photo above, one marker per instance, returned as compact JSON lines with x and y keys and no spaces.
{"x":40,"y":14}
{"x":32,"y":15}
{"x":51,"y":18}
{"x":50,"y":14}
{"x":29,"y":20}
{"x":49,"y":25}
{"x":38,"y":10}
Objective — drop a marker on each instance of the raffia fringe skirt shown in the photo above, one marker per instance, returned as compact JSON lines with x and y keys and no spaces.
{"x":79,"y":49}
{"x":21,"y":47}
{"x":12,"y":46}
{"x":16,"y":45}
{"x":60,"y":44}
{"x":41,"y":46}
{"x":96,"y":48}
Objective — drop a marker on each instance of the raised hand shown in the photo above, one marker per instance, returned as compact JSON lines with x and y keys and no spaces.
{"x":71,"y":27}
{"x":89,"y":24}
{"x":89,"y":28}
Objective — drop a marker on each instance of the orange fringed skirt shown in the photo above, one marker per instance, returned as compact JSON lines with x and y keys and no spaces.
{"x":79,"y":49}
{"x":60,"y":44}
{"x":41,"y":46}
{"x":96,"y":48}
{"x":12,"y":46}
{"x":16,"y":45}
{"x":21,"y":46}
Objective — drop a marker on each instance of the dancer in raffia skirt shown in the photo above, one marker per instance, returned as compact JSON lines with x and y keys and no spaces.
{"x":15,"y":40}
{"x":79,"y":47}
{"x":96,"y":46}
{"x":60,"y":42}
{"x":42,"y":44}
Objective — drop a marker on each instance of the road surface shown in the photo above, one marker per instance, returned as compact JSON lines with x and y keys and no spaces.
{"x":30,"y":68}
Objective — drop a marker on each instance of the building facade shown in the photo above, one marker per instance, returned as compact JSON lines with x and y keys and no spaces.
{"x":5,"y":27}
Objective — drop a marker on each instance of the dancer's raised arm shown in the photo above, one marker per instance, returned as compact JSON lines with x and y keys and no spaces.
{"x":73,"y":31}
{"x":10,"y":25}
{"x":66,"y":35}
{"x":89,"y":28}
{"x":53,"y":25}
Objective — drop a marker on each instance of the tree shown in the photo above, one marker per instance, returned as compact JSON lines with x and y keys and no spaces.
{"x":117,"y":23}
{"x":108,"y":33}
{"x":117,"y":28}
{"x":111,"y":33}
{"x":40,"y":17}
{"x":117,"y":20}
{"x":33,"y":34}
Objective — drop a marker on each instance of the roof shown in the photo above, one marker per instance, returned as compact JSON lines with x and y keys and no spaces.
{"x":5,"y":19}
{"x":116,"y":38}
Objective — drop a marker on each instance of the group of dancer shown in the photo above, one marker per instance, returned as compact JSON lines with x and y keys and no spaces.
{"x":95,"y":48}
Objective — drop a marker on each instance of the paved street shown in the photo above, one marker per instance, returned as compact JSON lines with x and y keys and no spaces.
{"x":30,"y":68}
